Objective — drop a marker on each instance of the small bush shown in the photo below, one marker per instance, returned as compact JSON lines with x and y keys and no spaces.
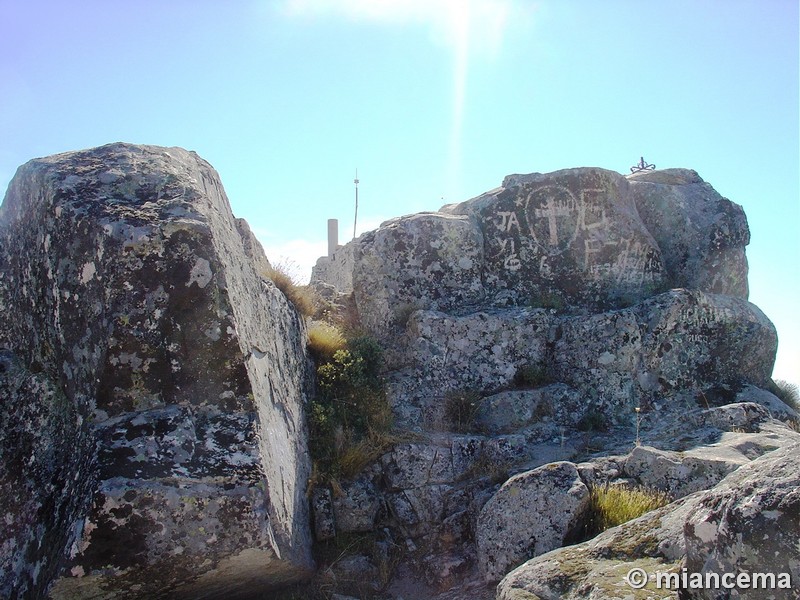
{"x":789,"y":393}
{"x":612,"y":505}
{"x":530,"y":375}
{"x":301,"y":296}
{"x":593,"y":420}
{"x":324,"y":340}
{"x":460,"y":409}
{"x":350,"y":418}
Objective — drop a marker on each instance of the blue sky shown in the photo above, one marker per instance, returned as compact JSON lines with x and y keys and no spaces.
{"x":433,"y":102}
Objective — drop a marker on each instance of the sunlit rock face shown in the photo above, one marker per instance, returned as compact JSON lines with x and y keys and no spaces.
{"x":175,"y":373}
{"x":702,"y":235}
{"x":585,"y":239}
{"x":626,"y":289}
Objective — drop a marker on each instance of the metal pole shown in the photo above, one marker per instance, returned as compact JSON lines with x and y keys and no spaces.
{"x":355,"y":220}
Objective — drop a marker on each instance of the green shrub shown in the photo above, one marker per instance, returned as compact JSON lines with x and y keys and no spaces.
{"x":460,"y":409}
{"x":350,"y":419}
{"x":530,"y":375}
{"x":612,"y":505}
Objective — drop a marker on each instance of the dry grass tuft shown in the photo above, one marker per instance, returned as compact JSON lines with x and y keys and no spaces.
{"x":612,"y":505}
{"x":301,"y":296}
{"x":324,"y":340}
{"x":788,"y":392}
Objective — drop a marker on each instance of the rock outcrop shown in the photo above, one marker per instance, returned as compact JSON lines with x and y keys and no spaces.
{"x":748,"y":523}
{"x":584,"y":238}
{"x":153,"y":439}
{"x":626,"y":290}
{"x":566,"y":313}
{"x":562,"y":332}
{"x":531,"y":514}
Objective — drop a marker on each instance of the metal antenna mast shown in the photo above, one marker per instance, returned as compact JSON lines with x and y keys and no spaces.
{"x":356,"y":217}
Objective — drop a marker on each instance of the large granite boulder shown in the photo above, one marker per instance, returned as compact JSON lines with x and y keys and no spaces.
{"x":679,"y":341}
{"x":426,"y":260}
{"x":531,"y":514}
{"x":701,"y":235}
{"x":132,"y":297}
{"x":583,"y":239}
{"x":750,"y":523}
{"x":573,"y":235}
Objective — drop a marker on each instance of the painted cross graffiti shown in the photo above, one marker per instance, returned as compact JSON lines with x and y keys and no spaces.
{"x":551,"y":211}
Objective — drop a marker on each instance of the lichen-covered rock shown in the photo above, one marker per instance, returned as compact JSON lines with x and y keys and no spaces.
{"x":702,"y":236}
{"x":679,"y":340}
{"x":597,"y":569}
{"x":573,"y":235}
{"x":427,"y":260}
{"x":511,"y":410}
{"x":747,"y":523}
{"x":357,"y":504}
{"x":531,"y":514}
{"x":46,"y":477}
{"x":750,"y":523}
{"x":138,"y":294}
{"x":480,"y":351}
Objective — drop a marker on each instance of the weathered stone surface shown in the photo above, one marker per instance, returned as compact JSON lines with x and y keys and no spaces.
{"x":573,"y":235}
{"x":322,"y":512}
{"x":776,"y":407}
{"x":356,"y":507}
{"x":680,"y":340}
{"x":531,"y":514}
{"x":426,"y":260}
{"x":336,"y":270}
{"x":583,"y":238}
{"x":747,"y":523}
{"x":480,"y":351}
{"x":138,"y":295}
{"x":46,"y":477}
{"x":702,"y":235}
{"x":512,"y":410}
{"x":750,"y":523}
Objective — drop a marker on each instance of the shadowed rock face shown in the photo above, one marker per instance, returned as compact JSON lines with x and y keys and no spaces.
{"x":128,"y":287}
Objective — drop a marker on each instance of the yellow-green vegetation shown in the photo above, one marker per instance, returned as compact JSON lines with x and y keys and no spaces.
{"x":612,"y":505}
{"x":460,"y":410}
{"x":301,"y":296}
{"x":350,"y":420}
{"x":324,"y":340}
